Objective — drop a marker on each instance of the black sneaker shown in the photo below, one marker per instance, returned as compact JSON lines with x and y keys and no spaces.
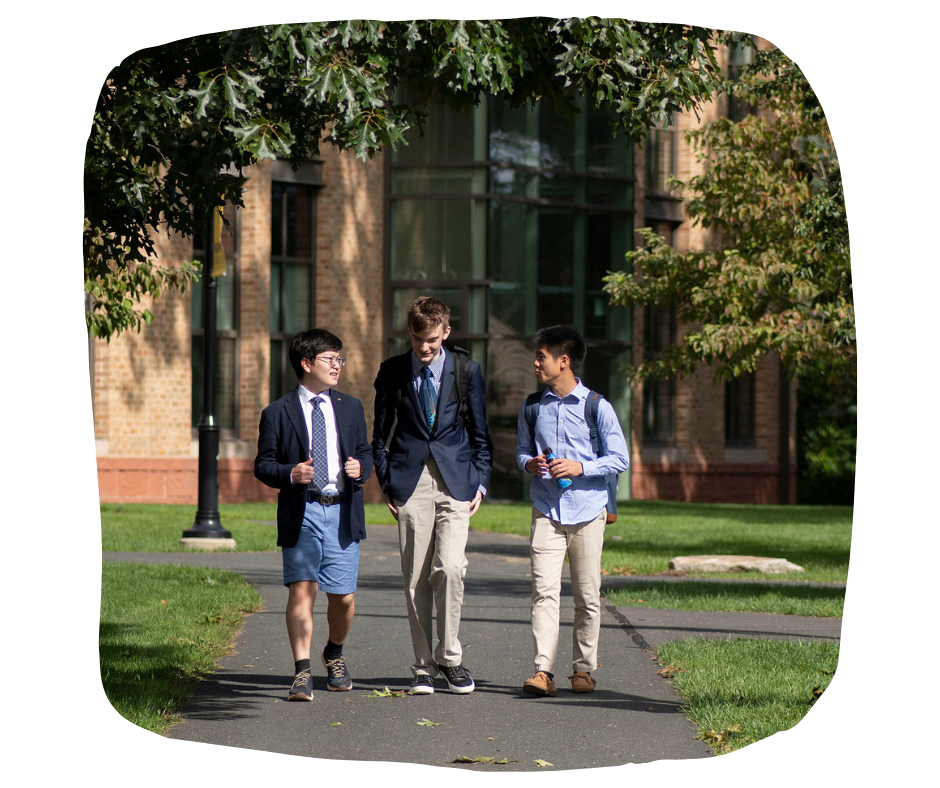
{"x":337,"y":673}
{"x":422,"y":684}
{"x":302,"y":688}
{"x":458,"y":679}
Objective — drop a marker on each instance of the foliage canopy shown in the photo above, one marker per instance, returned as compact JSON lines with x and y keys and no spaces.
{"x":176,"y":125}
{"x":776,"y":276}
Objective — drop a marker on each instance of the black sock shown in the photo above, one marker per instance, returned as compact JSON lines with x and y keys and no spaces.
{"x":332,"y":651}
{"x":550,"y":675}
{"x":300,"y":665}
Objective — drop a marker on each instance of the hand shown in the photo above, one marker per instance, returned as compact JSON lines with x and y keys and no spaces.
{"x":302,"y":473}
{"x":562,"y":467}
{"x":475,"y":503}
{"x":352,"y":468}
{"x":537,"y":465}
{"x":391,"y":505}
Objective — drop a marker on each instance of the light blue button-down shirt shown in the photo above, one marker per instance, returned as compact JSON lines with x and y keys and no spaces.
{"x":561,"y":426}
{"x":437,"y":371}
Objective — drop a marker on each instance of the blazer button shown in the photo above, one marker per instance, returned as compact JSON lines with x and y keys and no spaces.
{"x":421,"y":463}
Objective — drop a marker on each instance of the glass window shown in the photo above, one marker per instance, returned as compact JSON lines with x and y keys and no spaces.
{"x":660,"y":151}
{"x":513,"y":215}
{"x":739,"y":55}
{"x":293,"y":275}
{"x":659,"y":332}
{"x":739,"y":411}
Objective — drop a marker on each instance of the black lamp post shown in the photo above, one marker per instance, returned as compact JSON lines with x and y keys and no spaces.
{"x":208,"y":523}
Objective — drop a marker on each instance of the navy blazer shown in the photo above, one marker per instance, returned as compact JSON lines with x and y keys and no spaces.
{"x":283,"y":442}
{"x":463,"y":454}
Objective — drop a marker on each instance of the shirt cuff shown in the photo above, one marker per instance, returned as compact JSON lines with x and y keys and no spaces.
{"x":482,"y":490}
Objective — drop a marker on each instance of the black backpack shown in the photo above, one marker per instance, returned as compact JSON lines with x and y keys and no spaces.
{"x":532,"y":403}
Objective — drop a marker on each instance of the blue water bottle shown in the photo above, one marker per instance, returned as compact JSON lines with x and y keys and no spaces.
{"x":564,"y":482}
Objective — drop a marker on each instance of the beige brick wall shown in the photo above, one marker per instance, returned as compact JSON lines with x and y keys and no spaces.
{"x":697,"y":466}
{"x":143,"y":380}
{"x":350,"y":266}
{"x":254,"y":301}
{"x":142,"y":386}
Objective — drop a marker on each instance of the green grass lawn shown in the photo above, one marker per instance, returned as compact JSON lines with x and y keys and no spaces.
{"x":740,"y":691}
{"x":162,"y":627}
{"x":645,"y":537}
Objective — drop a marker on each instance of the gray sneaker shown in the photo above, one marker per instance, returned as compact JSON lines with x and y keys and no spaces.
{"x":337,"y":673}
{"x":302,"y":688}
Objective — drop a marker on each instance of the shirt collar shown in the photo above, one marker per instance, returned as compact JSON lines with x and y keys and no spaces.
{"x":577,"y":394}
{"x":435,"y":366}
{"x":306,"y":395}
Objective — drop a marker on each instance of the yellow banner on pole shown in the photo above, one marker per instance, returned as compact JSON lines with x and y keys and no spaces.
{"x":218,"y":253}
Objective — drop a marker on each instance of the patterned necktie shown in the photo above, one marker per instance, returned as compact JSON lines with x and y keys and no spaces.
{"x":428,"y":397}
{"x":318,"y":446}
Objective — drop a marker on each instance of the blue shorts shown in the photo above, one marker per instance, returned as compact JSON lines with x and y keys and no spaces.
{"x":325,"y":553}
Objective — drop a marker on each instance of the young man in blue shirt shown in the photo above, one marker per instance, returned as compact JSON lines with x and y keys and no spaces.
{"x":571,"y":520}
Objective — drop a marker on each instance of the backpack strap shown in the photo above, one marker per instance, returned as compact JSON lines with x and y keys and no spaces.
{"x":591,"y":405}
{"x":462,"y":381}
{"x":590,"y":416}
{"x":532,"y":403}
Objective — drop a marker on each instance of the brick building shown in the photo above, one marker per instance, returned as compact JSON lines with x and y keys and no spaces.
{"x":512,"y":216}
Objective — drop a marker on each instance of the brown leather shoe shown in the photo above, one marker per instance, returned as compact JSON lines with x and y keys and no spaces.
{"x":540,"y":684}
{"x":582,"y":682}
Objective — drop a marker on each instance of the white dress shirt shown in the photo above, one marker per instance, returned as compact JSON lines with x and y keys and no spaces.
{"x":334,"y":461}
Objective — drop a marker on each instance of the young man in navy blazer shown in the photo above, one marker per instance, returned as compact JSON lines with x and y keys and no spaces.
{"x":434,"y":468}
{"x":313,"y":447}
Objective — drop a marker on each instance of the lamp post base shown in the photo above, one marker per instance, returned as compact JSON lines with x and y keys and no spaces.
{"x":207,"y":543}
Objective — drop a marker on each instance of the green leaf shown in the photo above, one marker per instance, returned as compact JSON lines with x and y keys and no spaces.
{"x":386,"y":693}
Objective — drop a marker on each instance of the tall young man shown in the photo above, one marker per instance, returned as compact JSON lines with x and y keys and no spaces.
{"x":566,"y":520}
{"x":433,"y":466}
{"x":313,"y":447}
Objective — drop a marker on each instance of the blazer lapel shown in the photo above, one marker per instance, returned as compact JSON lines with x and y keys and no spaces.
{"x":338,"y":405}
{"x":447,"y":383}
{"x":410,"y":392}
{"x":296,"y":415}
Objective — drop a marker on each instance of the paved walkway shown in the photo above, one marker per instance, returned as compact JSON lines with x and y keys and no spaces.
{"x":635,"y":715}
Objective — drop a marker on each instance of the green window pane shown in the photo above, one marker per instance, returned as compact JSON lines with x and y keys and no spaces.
{"x":274,"y":315}
{"x":423,"y":180}
{"x":296,"y":298}
{"x":432,"y":239}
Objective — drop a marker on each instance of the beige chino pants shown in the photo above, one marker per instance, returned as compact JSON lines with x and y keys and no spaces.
{"x":584,"y":542}
{"x":432,"y":536}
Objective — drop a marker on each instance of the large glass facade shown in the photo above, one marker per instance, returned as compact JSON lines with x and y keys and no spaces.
{"x":513,"y":216}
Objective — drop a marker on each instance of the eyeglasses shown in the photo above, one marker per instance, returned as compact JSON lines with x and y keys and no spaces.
{"x":334,"y":361}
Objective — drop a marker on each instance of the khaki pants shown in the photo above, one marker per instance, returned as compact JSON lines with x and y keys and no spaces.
{"x":432,"y":536}
{"x":584,"y":542}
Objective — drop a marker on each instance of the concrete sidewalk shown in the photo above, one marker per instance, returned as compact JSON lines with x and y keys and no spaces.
{"x":635,"y":715}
